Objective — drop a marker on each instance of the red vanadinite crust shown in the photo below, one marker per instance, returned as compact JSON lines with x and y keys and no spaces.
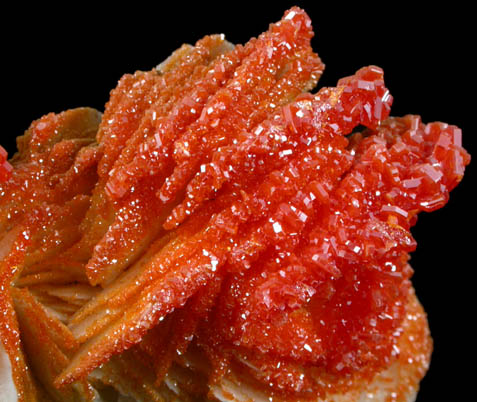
{"x":5,"y":167}
{"x":208,"y":113}
{"x":335,"y":297}
{"x":255,"y":222}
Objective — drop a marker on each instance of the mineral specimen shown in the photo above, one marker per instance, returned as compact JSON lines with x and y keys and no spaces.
{"x":220,"y":212}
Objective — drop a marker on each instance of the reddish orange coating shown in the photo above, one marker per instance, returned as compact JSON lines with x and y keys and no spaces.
{"x":250,"y":77}
{"x":265,"y":230}
{"x":242,"y":224}
{"x":310,"y":233}
{"x":9,"y":331}
{"x":5,"y":167}
{"x":141,"y":98}
{"x":224,"y":117}
{"x":267,"y":72}
{"x":41,"y":206}
{"x":337,"y":298}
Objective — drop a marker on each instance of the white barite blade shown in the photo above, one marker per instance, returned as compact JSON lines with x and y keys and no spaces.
{"x":7,"y":387}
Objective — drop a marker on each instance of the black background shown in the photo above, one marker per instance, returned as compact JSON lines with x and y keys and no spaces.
{"x":59,"y":58}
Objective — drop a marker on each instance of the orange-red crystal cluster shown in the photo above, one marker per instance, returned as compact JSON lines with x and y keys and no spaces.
{"x":5,"y":167}
{"x":290,"y":231}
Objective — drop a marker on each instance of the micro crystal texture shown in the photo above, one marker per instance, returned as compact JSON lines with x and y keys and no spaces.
{"x":219,"y":208}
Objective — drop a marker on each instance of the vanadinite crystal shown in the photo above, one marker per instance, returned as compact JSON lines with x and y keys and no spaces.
{"x":223,"y":206}
{"x":5,"y":167}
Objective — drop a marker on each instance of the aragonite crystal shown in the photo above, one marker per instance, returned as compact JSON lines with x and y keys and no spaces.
{"x":220,"y":207}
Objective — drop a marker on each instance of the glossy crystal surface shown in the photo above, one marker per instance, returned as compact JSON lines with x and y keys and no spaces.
{"x":219,"y":204}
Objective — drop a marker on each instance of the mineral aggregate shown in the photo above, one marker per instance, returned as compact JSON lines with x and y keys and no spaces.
{"x":218,"y":208}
